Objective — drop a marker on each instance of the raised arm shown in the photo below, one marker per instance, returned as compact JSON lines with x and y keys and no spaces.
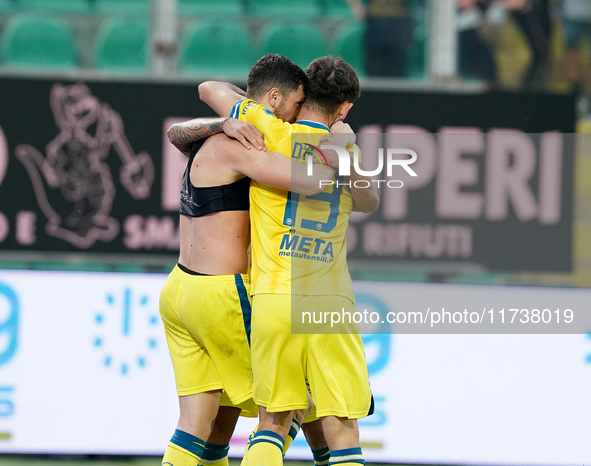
{"x":184,"y":135}
{"x":220,"y":96}
{"x":276,"y":170}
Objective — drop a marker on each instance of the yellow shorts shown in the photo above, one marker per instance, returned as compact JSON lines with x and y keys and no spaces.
{"x":333,"y":364}
{"x":207,"y":325}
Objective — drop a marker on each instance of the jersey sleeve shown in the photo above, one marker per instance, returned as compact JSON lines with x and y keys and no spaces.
{"x":236,"y":109}
{"x":265,"y":121}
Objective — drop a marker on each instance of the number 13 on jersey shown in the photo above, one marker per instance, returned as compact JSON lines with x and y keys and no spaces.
{"x":329,"y":215}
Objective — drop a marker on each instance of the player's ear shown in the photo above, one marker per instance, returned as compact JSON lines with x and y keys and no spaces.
{"x":274,"y":98}
{"x":344,"y":109}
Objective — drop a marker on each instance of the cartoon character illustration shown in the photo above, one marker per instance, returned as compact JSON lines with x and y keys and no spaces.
{"x":75,"y":165}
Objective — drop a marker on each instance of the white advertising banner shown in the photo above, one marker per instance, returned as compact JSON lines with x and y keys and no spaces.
{"x":84,"y":369}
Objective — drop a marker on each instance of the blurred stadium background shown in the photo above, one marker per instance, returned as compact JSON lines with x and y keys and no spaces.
{"x":87,"y":90}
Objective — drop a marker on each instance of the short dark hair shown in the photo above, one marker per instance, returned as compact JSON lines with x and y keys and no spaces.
{"x":331,"y":82}
{"x":274,"y":70}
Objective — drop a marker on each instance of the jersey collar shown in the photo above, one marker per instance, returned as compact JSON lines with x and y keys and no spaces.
{"x":313,"y":124}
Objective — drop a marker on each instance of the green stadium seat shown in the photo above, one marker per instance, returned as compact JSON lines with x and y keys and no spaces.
{"x":216,"y":48}
{"x":284,"y":9}
{"x":6,"y":5}
{"x":415,"y":60}
{"x":121,"y":46}
{"x":122,"y":6}
{"x":417,"y":52}
{"x":210,"y":7}
{"x":337,"y":9}
{"x":302,"y":43}
{"x":65,"y":6}
{"x":348,"y":44}
{"x":33,"y":42}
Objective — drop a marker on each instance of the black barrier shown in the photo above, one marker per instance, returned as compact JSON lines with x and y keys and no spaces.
{"x":86,"y":167}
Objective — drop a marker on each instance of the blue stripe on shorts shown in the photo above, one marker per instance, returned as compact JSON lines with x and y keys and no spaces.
{"x":244,"y":304}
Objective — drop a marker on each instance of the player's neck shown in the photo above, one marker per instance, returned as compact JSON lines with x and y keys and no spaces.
{"x":311,"y":115}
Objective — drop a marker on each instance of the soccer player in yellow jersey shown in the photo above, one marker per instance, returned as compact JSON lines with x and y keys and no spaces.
{"x":205,"y":301}
{"x":285,"y":226}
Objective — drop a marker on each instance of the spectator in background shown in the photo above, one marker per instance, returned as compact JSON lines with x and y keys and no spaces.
{"x":533,"y":18}
{"x":476,"y":57}
{"x":388,"y":34}
{"x":576,"y":15}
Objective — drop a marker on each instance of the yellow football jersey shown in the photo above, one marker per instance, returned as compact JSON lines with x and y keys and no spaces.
{"x":298,"y":242}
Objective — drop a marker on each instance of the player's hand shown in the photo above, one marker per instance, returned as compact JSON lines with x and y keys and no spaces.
{"x":341,"y":134}
{"x":246,"y":133}
{"x":340,"y":126}
{"x":331,"y":157}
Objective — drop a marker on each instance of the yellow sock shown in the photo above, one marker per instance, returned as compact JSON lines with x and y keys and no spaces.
{"x":177,"y":456}
{"x":183,"y":450}
{"x":222,"y":462}
{"x":346,"y":457}
{"x":214,"y":455}
{"x":266,"y":449}
{"x":321,"y":457}
{"x":293,"y":432}
{"x":250,"y":437}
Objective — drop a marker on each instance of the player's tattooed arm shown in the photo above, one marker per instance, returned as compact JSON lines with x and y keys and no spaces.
{"x":184,"y":135}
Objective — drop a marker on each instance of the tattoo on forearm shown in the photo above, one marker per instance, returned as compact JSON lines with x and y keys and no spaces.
{"x":194,"y":130}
